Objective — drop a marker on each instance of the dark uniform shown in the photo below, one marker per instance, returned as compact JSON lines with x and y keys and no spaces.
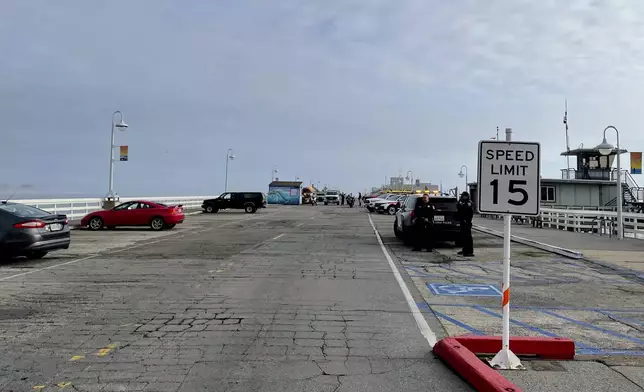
{"x":465,"y":213}
{"x":423,"y":224}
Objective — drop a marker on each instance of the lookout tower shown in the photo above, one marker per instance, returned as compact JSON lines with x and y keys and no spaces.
{"x":591,"y":165}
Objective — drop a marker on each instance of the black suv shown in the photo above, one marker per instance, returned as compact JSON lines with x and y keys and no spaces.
{"x":446,"y":224}
{"x":247,"y":201}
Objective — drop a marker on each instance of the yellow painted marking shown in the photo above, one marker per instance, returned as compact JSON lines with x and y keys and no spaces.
{"x":39,"y":387}
{"x":103,"y":352}
{"x":77,"y":357}
{"x":64,"y":384}
{"x":113,"y":345}
{"x":219,"y":270}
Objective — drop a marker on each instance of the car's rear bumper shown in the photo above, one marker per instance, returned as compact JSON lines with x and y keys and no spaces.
{"x":174,"y":219}
{"x":29,"y":242}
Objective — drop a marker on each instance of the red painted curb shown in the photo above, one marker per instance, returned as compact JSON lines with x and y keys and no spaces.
{"x":471,"y":368}
{"x":542,"y":347}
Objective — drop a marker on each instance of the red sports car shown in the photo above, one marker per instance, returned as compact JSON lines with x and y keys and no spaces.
{"x":136,"y":213}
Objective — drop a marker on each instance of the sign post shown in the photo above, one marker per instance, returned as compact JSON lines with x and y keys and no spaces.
{"x":508,"y":184}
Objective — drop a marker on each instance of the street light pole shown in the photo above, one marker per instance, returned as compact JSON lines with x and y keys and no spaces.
{"x":273,"y":173}
{"x":411,"y":179}
{"x":460,"y":174}
{"x":606,"y":148}
{"x":229,"y":156}
{"x":121,"y":125}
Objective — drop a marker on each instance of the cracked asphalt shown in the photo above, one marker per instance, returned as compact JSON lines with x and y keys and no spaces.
{"x":288,"y":299}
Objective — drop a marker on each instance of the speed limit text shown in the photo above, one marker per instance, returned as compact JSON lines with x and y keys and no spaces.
{"x":519,"y":156}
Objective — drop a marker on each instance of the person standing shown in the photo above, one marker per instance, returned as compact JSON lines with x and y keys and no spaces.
{"x":360,"y":199}
{"x":423,"y":224}
{"x":341,"y":198}
{"x":465,"y":213}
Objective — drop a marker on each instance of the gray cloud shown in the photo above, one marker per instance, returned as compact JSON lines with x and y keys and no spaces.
{"x":359,"y":90}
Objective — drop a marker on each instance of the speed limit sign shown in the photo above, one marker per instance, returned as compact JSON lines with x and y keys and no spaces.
{"x":509,"y":177}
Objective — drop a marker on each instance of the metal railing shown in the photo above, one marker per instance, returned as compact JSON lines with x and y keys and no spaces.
{"x":77,"y":208}
{"x":597,"y":222}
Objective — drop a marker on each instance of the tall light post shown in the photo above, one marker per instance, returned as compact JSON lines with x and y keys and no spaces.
{"x":121,"y":126}
{"x":410,"y":177}
{"x":274,"y":173}
{"x":606,"y":148}
{"x":229,"y":156}
{"x":461,"y":174}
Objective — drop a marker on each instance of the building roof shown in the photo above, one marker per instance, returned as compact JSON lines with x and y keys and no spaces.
{"x":589,"y":151}
{"x":294,"y":184}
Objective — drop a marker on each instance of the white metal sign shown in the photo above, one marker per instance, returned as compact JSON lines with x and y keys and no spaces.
{"x":509,"y":177}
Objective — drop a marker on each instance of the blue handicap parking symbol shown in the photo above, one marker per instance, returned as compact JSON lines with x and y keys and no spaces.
{"x":465,"y":289}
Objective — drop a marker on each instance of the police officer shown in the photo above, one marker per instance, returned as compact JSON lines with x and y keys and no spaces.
{"x":465,"y":213}
{"x":423,"y":224}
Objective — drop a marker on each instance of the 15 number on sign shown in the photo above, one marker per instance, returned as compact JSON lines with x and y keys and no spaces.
{"x":512,"y":188}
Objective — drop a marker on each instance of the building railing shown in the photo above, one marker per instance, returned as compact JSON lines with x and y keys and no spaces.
{"x":77,"y":208}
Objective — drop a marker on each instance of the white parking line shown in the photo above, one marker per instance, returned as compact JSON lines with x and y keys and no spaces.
{"x":420,"y":319}
{"x":300,"y":224}
{"x":279,"y":236}
{"x":177,"y":235}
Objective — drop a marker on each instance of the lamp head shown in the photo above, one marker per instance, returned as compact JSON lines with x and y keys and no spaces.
{"x":121,"y":125}
{"x":605,"y":148}
{"x":461,"y":174}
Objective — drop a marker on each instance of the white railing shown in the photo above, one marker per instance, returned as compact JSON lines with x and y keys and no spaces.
{"x":77,"y":208}
{"x":598,"y":222}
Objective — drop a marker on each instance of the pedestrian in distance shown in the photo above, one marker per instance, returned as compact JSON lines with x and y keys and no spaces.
{"x":342,"y":199}
{"x":465,"y":213}
{"x":423,"y":224}
{"x":360,"y":199}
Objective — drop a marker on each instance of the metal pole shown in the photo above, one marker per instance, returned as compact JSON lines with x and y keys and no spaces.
{"x":227,"y":159}
{"x":506,"y":359}
{"x":620,"y":220}
{"x":464,"y":166}
{"x":110,"y":192}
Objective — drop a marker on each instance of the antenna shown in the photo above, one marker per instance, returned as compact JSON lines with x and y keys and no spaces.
{"x":565,"y":121}
{"x":10,"y":197}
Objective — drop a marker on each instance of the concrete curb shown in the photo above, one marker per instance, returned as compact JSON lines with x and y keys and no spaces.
{"x":460,"y":352}
{"x":572,"y":254}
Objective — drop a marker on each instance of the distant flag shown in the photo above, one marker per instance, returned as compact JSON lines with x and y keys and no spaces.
{"x":565,"y":121}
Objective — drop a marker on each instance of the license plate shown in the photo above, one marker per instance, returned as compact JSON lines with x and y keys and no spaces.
{"x":439,"y":218}
{"x":55,"y":227}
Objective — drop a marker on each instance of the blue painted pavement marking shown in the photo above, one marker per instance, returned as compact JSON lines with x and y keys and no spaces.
{"x":473,"y":330}
{"x":465,"y":289}
{"x":584,"y":324}
{"x":530,"y":327}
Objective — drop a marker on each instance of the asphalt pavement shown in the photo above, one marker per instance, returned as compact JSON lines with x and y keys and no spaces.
{"x":288,"y":299}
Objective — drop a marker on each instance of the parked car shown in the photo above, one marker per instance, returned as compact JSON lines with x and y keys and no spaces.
{"x":247,"y":201}
{"x":371,"y":206}
{"x":136,"y":213}
{"x":446,"y":224}
{"x":31,"y":232}
{"x":390,"y":206}
{"x":332,"y":197}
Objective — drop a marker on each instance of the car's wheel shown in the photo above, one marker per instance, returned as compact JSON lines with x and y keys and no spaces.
{"x":95,"y":223}
{"x":157,"y":224}
{"x":36,"y":255}
{"x":250,"y":208}
{"x":396,"y":232}
{"x":210,"y":209}
{"x":391,"y":210}
{"x":326,"y":203}
{"x":170,"y":226}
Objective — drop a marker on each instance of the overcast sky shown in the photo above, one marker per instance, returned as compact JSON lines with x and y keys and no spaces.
{"x":342,"y":92}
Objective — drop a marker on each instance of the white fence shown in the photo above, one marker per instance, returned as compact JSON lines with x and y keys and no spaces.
{"x":588,"y":221}
{"x":77,"y":208}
